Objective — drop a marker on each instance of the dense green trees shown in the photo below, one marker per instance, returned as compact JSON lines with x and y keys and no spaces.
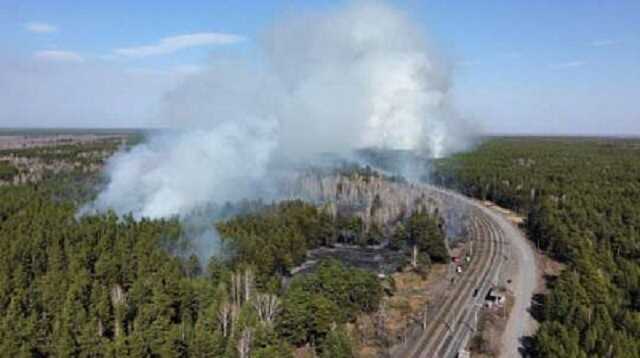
{"x":7,"y":171}
{"x":109,"y":286}
{"x":315,"y":303}
{"x":83,"y":285}
{"x":337,"y":344}
{"x":427,"y":234}
{"x":422,"y":235}
{"x":581,"y":198}
{"x":113,"y":286}
{"x":276,"y":238}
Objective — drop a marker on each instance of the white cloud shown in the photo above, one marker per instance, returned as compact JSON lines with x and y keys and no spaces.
{"x":570,"y":64}
{"x":40,"y":27}
{"x":58,"y":56}
{"x":603,"y":43}
{"x":176,"y":43}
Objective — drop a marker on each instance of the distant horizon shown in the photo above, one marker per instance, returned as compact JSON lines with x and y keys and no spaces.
{"x":487,"y":134}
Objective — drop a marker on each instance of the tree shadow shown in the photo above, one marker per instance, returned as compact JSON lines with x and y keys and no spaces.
{"x":537,"y":301}
{"x":537,"y":309}
{"x":527,"y":347}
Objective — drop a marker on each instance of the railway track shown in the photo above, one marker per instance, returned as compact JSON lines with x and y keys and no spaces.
{"x":450,"y":325}
{"x":465,"y":325}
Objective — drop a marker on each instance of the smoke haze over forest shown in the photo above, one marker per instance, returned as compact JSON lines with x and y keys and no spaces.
{"x":324,"y":86}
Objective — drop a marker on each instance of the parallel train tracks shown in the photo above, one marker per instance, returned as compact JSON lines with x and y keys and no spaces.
{"x":450,"y":324}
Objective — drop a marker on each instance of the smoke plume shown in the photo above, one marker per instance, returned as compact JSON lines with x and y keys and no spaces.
{"x":355,"y":77}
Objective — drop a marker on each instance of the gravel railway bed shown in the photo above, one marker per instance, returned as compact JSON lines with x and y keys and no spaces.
{"x":449,"y":323}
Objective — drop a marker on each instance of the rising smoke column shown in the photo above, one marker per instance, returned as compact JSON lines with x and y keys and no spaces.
{"x":174,"y":174}
{"x":362,"y":76}
{"x":220,"y":138}
{"x":354,"y":77}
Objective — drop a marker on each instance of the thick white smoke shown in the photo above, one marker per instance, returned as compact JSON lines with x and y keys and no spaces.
{"x":363,"y":76}
{"x":359,"y":76}
{"x":176,"y":173}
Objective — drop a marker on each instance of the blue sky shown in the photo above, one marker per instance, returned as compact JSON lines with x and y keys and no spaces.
{"x":518,"y":66}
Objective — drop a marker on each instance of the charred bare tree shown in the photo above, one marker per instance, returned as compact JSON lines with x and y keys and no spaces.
{"x":267,"y":306}
{"x":119,"y":302}
{"x":244,"y":343}
{"x":227,"y":317}
{"x":242,"y":285}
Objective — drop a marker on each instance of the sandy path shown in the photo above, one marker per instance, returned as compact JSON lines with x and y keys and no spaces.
{"x":521,"y":323}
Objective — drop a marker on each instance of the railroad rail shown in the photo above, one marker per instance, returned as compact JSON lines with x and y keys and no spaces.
{"x":451,"y":322}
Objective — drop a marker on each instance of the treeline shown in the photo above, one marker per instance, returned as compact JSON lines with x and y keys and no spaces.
{"x":581,"y":198}
{"x":71,"y":171}
{"x":86,"y":153}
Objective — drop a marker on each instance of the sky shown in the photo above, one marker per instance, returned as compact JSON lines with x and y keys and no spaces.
{"x":544,"y":67}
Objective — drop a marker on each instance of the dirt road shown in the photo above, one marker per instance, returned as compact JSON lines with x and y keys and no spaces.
{"x":520,"y":323}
